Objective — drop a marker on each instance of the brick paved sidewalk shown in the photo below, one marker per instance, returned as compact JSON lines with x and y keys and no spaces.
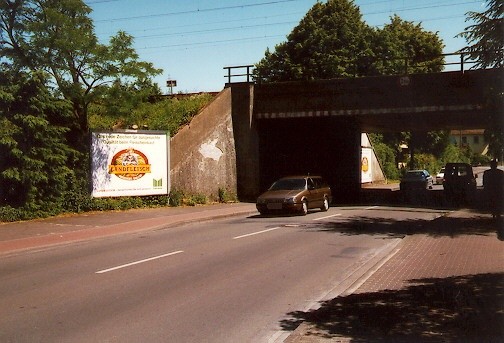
{"x":444,"y":286}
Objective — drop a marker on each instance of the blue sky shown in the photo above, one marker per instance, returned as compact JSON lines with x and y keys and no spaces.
{"x":192,"y":41}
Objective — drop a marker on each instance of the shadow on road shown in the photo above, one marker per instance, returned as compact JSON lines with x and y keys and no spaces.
{"x":456,"y":309}
{"x":476,"y":224}
{"x":437,"y":199}
{"x":460,"y":308}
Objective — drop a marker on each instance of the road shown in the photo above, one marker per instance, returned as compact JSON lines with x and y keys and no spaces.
{"x":228,"y":280}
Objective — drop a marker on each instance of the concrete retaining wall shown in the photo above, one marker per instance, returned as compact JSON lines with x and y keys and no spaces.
{"x":203,"y":156}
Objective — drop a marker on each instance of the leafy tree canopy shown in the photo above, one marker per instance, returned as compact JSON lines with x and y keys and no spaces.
{"x":323,"y":45}
{"x":486,"y":47}
{"x":57,"y":37}
{"x":486,"y":36}
{"x":33,"y":167}
{"x":404,"y":47}
{"x":333,"y":41}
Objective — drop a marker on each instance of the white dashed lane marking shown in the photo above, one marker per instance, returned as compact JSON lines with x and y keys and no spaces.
{"x":138,"y":262}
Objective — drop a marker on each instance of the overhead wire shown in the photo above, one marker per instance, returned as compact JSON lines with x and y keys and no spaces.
{"x":197,"y":11}
{"x":437,"y":4}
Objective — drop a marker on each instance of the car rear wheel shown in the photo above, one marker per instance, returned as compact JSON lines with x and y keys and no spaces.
{"x":325,"y":205}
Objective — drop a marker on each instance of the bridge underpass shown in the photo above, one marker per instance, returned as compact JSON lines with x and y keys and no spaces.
{"x":315,"y":126}
{"x":318,"y":147}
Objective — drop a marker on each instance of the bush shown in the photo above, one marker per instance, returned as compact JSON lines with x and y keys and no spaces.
{"x":195,"y":199}
{"x":386,"y":156}
{"x":168,"y":114}
{"x":176,"y":197}
{"x":225,"y":196}
{"x":10,"y":214}
{"x":453,"y":153}
{"x":199,"y":199}
{"x":80,"y":202}
{"x":480,"y":160}
{"x":427,"y":162}
{"x":156,"y":200}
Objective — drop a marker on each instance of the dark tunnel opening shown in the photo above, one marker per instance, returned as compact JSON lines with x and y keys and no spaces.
{"x":325,"y":146}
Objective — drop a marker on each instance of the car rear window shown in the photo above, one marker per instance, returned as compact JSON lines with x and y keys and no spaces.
{"x":458,"y":170}
{"x":414,"y":174}
{"x":289,"y":184}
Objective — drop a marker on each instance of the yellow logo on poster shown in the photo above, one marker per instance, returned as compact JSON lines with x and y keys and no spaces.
{"x":365,"y":164}
{"x":129,"y":164}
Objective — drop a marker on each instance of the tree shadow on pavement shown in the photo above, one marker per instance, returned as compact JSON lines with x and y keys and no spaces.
{"x":476,"y":224}
{"x":456,"y":309}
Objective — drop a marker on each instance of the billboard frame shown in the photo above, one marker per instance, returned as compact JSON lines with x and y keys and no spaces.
{"x":129,"y":163}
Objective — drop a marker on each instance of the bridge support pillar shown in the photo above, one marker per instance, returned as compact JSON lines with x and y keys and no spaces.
{"x":246,"y":141}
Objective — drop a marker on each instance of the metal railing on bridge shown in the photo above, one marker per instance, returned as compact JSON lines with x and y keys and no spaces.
{"x":245,"y":70}
{"x":244,"y":73}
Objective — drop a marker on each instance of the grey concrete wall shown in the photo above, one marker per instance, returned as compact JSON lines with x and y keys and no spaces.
{"x":203,"y":155}
{"x":246,"y":141}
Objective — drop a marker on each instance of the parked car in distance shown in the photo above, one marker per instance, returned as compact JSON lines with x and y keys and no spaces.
{"x":440,"y":176}
{"x":416,"y":180}
{"x":459,"y":180}
{"x":295,"y":194}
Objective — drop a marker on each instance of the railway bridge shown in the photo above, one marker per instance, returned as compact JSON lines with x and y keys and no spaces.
{"x":315,"y":127}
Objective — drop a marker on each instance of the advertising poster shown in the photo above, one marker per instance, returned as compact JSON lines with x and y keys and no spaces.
{"x":129,"y":163}
{"x":366,"y":169}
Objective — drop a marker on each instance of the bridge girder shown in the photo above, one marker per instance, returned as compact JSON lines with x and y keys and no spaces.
{"x":420,"y":102}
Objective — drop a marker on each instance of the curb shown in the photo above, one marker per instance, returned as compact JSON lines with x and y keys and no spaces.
{"x":130,"y":227}
{"x":346,"y":287}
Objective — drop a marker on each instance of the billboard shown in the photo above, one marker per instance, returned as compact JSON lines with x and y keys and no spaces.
{"x":366,"y":165}
{"x":129,"y":163}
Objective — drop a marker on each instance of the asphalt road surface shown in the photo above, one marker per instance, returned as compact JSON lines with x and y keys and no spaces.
{"x":231,"y":280}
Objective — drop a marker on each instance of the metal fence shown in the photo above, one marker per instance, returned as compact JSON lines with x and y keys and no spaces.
{"x":455,"y":61}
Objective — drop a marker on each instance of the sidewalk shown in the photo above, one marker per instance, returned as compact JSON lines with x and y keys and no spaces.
{"x":444,"y":281}
{"x":444,"y":284}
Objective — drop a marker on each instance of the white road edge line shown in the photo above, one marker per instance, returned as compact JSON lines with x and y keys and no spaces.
{"x":332,"y":215}
{"x":371,"y":207}
{"x":257,"y":233}
{"x":138,"y":262}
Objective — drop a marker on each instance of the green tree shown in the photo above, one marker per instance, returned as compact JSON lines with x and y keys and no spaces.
{"x":404,"y":47}
{"x":427,"y":143}
{"x":486,"y":36}
{"x":57,"y":36}
{"x":120,"y":100}
{"x":486,"y":47}
{"x":453,"y":153}
{"x":386,"y":155}
{"x":33,"y":167}
{"x":331,"y":41}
